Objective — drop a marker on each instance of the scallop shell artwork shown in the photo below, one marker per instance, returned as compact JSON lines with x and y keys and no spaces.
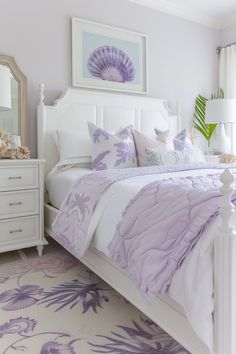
{"x":111,"y":64}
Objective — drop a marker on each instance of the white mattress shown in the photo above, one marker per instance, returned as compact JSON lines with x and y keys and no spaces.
{"x":58,"y":183}
{"x":192,"y":284}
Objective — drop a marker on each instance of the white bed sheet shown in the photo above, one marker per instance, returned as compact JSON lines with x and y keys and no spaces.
{"x":192,"y":284}
{"x":58,"y":183}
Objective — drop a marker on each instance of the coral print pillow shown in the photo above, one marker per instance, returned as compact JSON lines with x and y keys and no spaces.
{"x":112,"y":151}
{"x":175,"y":157}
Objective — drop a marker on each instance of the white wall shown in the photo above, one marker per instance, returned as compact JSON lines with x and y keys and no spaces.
{"x":228,"y":35}
{"x":182,"y":61}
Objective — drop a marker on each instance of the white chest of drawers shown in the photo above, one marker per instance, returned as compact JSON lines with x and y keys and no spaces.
{"x":21,"y":205}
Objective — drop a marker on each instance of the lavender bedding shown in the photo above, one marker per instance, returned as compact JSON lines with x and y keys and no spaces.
{"x":150,"y":260}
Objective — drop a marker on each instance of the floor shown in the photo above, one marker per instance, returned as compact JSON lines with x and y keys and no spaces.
{"x":55,"y":305}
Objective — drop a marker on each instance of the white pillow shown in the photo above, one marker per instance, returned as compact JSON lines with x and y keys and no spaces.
{"x":187,"y":156}
{"x":74,"y":147}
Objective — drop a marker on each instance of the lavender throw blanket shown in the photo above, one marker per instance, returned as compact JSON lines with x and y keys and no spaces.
{"x":159,"y":227}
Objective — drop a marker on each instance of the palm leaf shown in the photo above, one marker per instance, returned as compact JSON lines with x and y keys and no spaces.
{"x":199,"y":116}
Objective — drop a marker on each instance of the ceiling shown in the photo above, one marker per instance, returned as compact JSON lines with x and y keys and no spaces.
{"x":218,"y":8}
{"x":214,"y":13}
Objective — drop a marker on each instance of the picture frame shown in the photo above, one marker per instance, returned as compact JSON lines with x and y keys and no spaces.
{"x":108,"y":58}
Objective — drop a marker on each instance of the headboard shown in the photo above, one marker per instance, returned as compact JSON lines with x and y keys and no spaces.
{"x":111,"y":111}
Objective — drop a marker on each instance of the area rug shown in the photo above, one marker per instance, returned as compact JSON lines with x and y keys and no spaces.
{"x":55,"y":305}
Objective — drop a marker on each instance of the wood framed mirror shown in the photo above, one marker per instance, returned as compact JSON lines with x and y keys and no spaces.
{"x":13,"y":119}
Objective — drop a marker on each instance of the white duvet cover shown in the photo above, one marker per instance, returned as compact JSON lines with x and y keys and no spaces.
{"x":192,"y":284}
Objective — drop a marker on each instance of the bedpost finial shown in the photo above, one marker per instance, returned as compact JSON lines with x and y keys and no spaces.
{"x":41,"y":94}
{"x":227,"y":177}
{"x":227,"y":207}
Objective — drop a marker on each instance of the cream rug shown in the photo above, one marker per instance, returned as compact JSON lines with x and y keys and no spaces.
{"x":55,"y":305}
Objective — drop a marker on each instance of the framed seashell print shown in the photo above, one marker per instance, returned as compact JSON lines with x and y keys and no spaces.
{"x":108,"y":58}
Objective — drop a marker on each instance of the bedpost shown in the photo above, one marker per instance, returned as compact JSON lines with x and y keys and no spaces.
{"x":225,"y":272}
{"x":41,"y":121}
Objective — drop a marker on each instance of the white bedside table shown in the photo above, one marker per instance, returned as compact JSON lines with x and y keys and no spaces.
{"x":212,"y":158}
{"x":21,"y":205}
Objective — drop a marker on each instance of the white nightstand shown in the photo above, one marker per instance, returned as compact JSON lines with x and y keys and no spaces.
{"x":212,"y":158}
{"x":21,"y":205}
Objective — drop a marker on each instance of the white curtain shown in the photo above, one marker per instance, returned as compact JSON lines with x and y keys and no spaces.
{"x":227,"y":81}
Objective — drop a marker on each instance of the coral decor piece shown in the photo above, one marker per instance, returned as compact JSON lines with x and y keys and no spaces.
{"x":4,"y":143}
{"x":227,"y":158}
{"x":20,"y":153}
{"x":3,"y":150}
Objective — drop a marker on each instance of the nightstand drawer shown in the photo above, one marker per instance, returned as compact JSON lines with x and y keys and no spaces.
{"x":13,"y":230}
{"x":18,"y":177}
{"x":21,"y":203}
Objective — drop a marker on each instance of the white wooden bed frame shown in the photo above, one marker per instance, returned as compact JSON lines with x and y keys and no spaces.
{"x":111,"y":111}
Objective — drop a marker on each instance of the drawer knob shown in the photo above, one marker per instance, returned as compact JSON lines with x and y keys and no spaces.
{"x":17,"y":177}
{"x":14,"y":204}
{"x":15,"y":231}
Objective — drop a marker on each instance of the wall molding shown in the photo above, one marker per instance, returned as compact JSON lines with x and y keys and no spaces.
{"x":187,"y":13}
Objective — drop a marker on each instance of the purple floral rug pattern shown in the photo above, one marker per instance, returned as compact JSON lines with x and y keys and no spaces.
{"x":55,"y":305}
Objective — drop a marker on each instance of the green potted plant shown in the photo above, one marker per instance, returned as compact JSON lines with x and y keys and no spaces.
{"x":199,"y":116}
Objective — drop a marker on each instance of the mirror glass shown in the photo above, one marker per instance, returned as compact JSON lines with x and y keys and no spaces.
{"x":9,"y":118}
{"x":13,"y":99}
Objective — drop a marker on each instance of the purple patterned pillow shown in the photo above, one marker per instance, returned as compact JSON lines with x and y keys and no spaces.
{"x":179,"y":142}
{"x":182,"y":140}
{"x":112,"y":150}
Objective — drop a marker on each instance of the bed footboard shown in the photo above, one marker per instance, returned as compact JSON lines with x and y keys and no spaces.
{"x":225,"y":272}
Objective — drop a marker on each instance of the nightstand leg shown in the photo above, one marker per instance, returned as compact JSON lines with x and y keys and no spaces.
{"x":40,"y":250}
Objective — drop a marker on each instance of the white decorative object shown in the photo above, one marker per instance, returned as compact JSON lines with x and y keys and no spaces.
{"x":15,"y":141}
{"x":109,"y":58}
{"x":21,"y":205}
{"x":220,"y":111}
{"x":5,"y":87}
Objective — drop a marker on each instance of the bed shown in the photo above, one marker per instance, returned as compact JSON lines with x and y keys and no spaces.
{"x":111,"y":111}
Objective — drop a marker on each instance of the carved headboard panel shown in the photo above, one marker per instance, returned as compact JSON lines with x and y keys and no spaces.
{"x":111,"y":111}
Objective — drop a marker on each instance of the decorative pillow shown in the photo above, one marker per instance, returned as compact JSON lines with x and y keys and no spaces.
{"x":74,"y":147}
{"x":180,"y":142}
{"x":175,"y":157}
{"x":144,"y":142}
{"x":112,"y":150}
{"x":165,"y":137}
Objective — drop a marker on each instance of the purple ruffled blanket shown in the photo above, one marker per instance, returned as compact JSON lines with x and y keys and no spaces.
{"x":159,"y":227}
